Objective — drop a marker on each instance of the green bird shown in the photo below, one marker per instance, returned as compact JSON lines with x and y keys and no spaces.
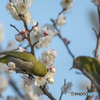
{"x":91,"y":65}
{"x":25,"y":61}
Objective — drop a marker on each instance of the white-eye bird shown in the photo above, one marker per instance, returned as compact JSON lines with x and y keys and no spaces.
{"x":25,"y":61}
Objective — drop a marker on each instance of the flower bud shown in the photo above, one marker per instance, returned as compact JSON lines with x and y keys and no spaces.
{"x":10,"y":71}
{"x":50,"y":80}
{"x":28,"y":31}
{"x":11,"y":65}
{"x":45,"y":34}
{"x":65,"y":40}
{"x":11,"y":3}
{"x":52,"y":69}
{"x":23,"y":32}
{"x":19,"y":37}
{"x":35,"y":28}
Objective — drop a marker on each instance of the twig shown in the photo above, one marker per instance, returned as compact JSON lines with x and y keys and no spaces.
{"x":62,"y":92}
{"x":18,"y":31}
{"x":98,"y":37}
{"x":61,"y":12}
{"x":34,"y":26}
{"x":15,"y":28}
{"x":95,"y":32}
{"x":54,"y":24}
{"x":47,"y":93}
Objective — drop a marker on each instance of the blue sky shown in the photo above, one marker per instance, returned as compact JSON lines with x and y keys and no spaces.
{"x":78,"y":30}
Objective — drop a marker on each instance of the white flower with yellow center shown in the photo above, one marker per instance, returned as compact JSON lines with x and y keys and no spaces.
{"x":67,"y":4}
{"x":35,"y":36}
{"x":44,"y":41}
{"x":49,"y":27}
{"x":28,"y":18}
{"x":40,"y":81}
{"x":61,"y":20}
{"x":11,"y":65}
{"x":22,"y":8}
{"x":13,"y":11}
{"x":48,"y":57}
{"x":48,"y":32}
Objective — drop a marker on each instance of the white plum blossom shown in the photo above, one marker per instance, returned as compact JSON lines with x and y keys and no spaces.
{"x":48,"y":32}
{"x":35,"y":28}
{"x":66,"y":88}
{"x":67,"y":4}
{"x":20,"y":49}
{"x":22,"y":8}
{"x":19,"y":37}
{"x":3,"y":83}
{"x":48,"y":57}
{"x":11,"y":65}
{"x":26,"y":79}
{"x":49,"y":27}
{"x":50,"y":80}
{"x":37,"y":90}
{"x":27,"y":2}
{"x":40,"y":81}
{"x":13,"y":11}
{"x":28,"y":18}
{"x":35,"y":36}
{"x":61,"y":20}
{"x":44,"y":41}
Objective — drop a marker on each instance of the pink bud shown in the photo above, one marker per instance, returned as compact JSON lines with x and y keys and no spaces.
{"x":58,"y":33}
{"x":45,"y":34}
{"x":11,"y":3}
{"x":23,"y":32}
{"x":10,"y":71}
{"x":65,"y":40}
{"x":52,"y":69}
{"x":68,"y":42}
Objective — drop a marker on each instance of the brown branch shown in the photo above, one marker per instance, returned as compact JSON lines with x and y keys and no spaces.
{"x":54,"y":24}
{"x":98,"y":37}
{"x":47,"y":93}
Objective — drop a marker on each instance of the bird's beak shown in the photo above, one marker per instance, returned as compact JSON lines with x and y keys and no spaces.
{"x":71,"y":68}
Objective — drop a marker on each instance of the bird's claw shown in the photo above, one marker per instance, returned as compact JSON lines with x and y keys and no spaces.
{"x":30,"y":76}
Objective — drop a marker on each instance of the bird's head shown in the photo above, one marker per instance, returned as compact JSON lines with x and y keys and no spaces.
{"x":77,"y":64}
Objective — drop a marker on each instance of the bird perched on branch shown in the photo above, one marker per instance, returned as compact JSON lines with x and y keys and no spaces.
{"x":25,"y":61}
{"x":91,"y":65}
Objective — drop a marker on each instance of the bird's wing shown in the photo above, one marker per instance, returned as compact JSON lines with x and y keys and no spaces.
{"x":22,"y":55}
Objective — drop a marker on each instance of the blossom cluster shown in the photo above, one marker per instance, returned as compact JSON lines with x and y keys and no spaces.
{"x":41,"y":37}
